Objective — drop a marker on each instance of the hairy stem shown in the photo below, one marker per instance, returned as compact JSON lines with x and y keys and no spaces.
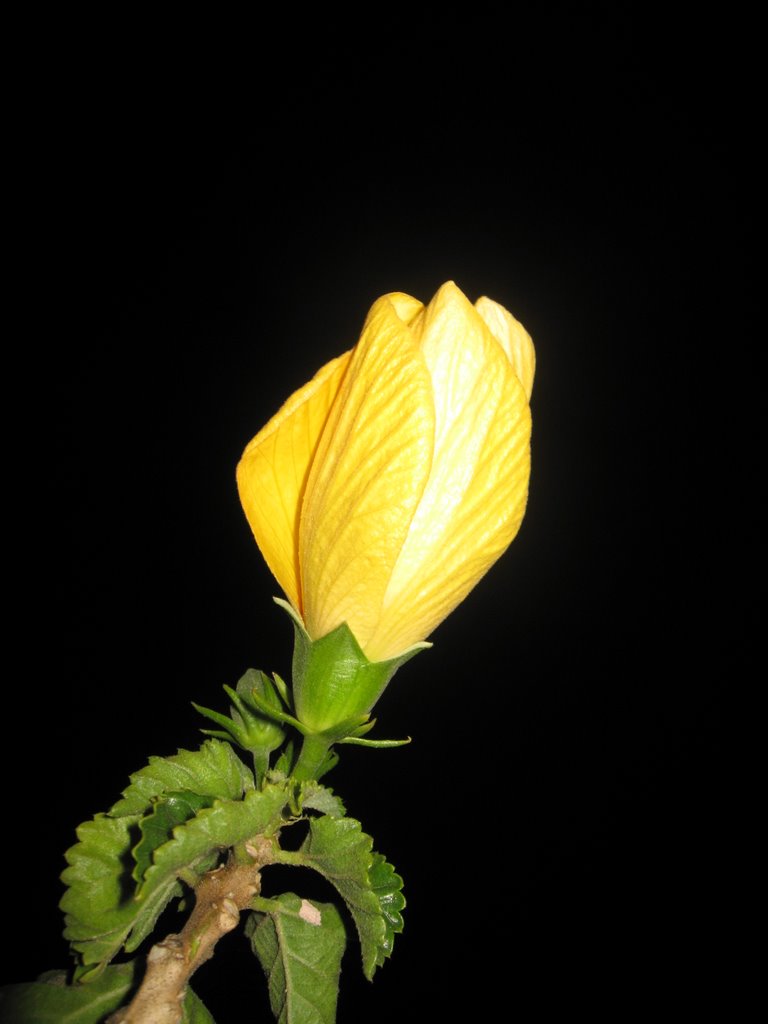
{"x":219,"y":898}
{"x":314,"y":751}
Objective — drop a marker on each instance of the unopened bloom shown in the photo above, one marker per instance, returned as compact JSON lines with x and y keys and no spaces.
{"x":388,"y":485}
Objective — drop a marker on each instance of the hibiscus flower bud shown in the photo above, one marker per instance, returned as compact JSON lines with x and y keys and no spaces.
{"x":387,"y":486}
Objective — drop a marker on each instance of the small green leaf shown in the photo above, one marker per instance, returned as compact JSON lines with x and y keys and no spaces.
{"x":340,"y":851}
{"x":387,"y":886}
{"x":193,"y":1011}
{"x":315,"y":797}
{"x":156,"y":828}
{"x":40,"y":1002}
{"x":300,"y":945}
{"x":214,"y":770}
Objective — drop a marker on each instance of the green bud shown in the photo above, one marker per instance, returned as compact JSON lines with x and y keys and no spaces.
{"x":257,"y":731}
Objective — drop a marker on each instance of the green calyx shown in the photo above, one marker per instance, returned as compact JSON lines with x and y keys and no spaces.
{"x":335,"y":686}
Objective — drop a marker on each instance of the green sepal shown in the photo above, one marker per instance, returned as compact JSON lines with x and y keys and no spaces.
{"x":334,"y":683}
{"x":365,"y":728}
{"x":282,"y":689}
{"x":277,"y":714}
{"x":376,"y":744}
{"x":214,"y":734}
{"x":299,"y":944}
{"x":50,"y":1000}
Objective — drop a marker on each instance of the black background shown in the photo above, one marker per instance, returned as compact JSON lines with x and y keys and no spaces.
{"x":204,"y":234}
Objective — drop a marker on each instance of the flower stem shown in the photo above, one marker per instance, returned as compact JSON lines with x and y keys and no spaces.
{"x":260,"y":765}
{"x":314,"y":751}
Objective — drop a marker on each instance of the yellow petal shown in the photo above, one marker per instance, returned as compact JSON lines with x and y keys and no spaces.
{"x":273,"y":471}
{"x":475,"y":497}
{"x":514,"y":339}
{"x":406,"y":307}
{"x":367,"y":477}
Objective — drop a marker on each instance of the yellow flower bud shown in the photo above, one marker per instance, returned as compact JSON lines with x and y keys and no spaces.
{"x":387,"y":486}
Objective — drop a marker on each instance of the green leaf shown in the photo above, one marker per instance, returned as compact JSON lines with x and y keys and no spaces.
{"x":300,"y":945}
{"x":387,"y":886}
{"x":194,"y":1011}
{"x":97,"y":907}
{"x":340,"y":851}
{"x":170,"y":810}
{"x":103,"y":909}
{"x":315,"y":797}
{"x":39,"y":1002}
{"x":214,"y":770}
{"x":147,"y":913}
{"x":225,"y":824}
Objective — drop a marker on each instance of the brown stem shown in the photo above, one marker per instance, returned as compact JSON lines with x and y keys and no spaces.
{"x":219,"y":897}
